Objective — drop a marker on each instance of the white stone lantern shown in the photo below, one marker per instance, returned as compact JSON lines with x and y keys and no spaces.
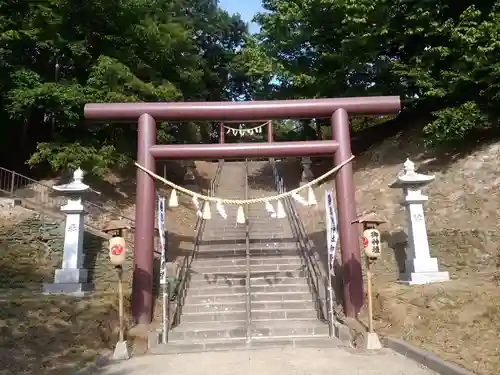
{"x":307,"y":175}
{"x":420,"y":268}
{"x":72,"y":278}
{"x":189,"y":177}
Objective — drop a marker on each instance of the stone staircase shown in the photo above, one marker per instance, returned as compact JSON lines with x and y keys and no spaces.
{"x":237,"y":299}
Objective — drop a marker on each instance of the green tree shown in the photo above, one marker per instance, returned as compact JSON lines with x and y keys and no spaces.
{"x":60,"y":54}
{"x":439,"y":54}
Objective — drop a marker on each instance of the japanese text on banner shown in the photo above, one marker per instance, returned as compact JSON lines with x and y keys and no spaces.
{"x":161,"y":230}
{"x":331,"y":229}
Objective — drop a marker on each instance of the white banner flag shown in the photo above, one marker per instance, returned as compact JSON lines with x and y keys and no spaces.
{"x":331,"y":229}
{"x":161,"y":229}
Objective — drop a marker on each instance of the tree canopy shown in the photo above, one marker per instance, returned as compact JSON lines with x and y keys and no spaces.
{"x":57,"y":55}
{"x":443,"y":55}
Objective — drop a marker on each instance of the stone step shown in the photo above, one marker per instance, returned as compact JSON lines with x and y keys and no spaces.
{"x":258,"y":330}
{"x":269,"y":232}
{"x":272,"y":234}
{"x":291,"y":328}
{"x":266,"y":235}
{"x":281,"y":296}
{"x":241,"y":269}
{"x":241,"y":316}
{"x":197,"y":331}
{"x":240,"y":243}
{"x":255,"y":297}
{"x":256,"y":272}
{"x":256,"y":325}
{"x":221,"y":316}
{"x":209,"y":252}
{"x":240,"y":305}
{"x":219,"y":290}
{"x":216,"y":227}
{"x":259,"y":223}
{"x":256,"y":278}
{"x":215,"y":299}
{"x":242,"y":261}
{"x":244,"y":344}
{"x":214,"y":308}
{"x":260,"y":217}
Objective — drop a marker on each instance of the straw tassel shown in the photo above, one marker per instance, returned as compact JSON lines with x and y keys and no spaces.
{"x":240,"y":216}
{"x":280,"y":212}
{"x":311,"y":198}
{"x":173,"y":201}
{"x":207,"y":215}
{"x":221,"y":210}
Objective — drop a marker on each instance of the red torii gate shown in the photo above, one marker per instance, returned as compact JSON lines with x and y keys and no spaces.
{"x":148,"y":151}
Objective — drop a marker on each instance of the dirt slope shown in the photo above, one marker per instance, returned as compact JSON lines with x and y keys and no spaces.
{"x":458,"y":320}
{"x":40,"y":334}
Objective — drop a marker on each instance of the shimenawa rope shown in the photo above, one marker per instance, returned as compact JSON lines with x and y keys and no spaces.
{"x":250,"y":130}
{"x":244,"y":201}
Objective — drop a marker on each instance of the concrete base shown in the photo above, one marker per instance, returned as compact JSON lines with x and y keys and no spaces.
{"x":69,"y":289}
{"x":342,"y":332}
{"x":421,"y":278}
{"x":71,"y":275}
{"x":422,"y":265}
{"x":372,"y":341}
{"x":423,"y":270}
{"x":121,"y":351}
{"x":154,"y":338}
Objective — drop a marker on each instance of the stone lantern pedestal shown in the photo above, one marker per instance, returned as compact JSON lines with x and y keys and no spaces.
{"x":307,"y":175}
{"x":420,"y":267}
{"x":72,"y":278}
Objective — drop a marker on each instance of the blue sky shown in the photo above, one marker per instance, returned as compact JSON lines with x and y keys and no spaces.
{"x":246,"y":8}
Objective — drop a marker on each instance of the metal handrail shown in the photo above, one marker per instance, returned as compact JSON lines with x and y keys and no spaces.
{"x":247,"y":257}
{"x":184,"y":275}
{"x":312,"y":264}
{"x":20,"y":186}
{"x":315,"y":264}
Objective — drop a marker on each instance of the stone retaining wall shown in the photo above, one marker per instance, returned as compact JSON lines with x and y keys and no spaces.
{"x":32,"y":249}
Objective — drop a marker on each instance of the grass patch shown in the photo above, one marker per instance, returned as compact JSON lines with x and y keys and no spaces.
{"x":54,"y":334}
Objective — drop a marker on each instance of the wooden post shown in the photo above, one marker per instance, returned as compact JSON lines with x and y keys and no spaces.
{"x":118,"y":229}
{"x":119,"y":271}
{"x":370,"y":220}
{"x":369,"y":293}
